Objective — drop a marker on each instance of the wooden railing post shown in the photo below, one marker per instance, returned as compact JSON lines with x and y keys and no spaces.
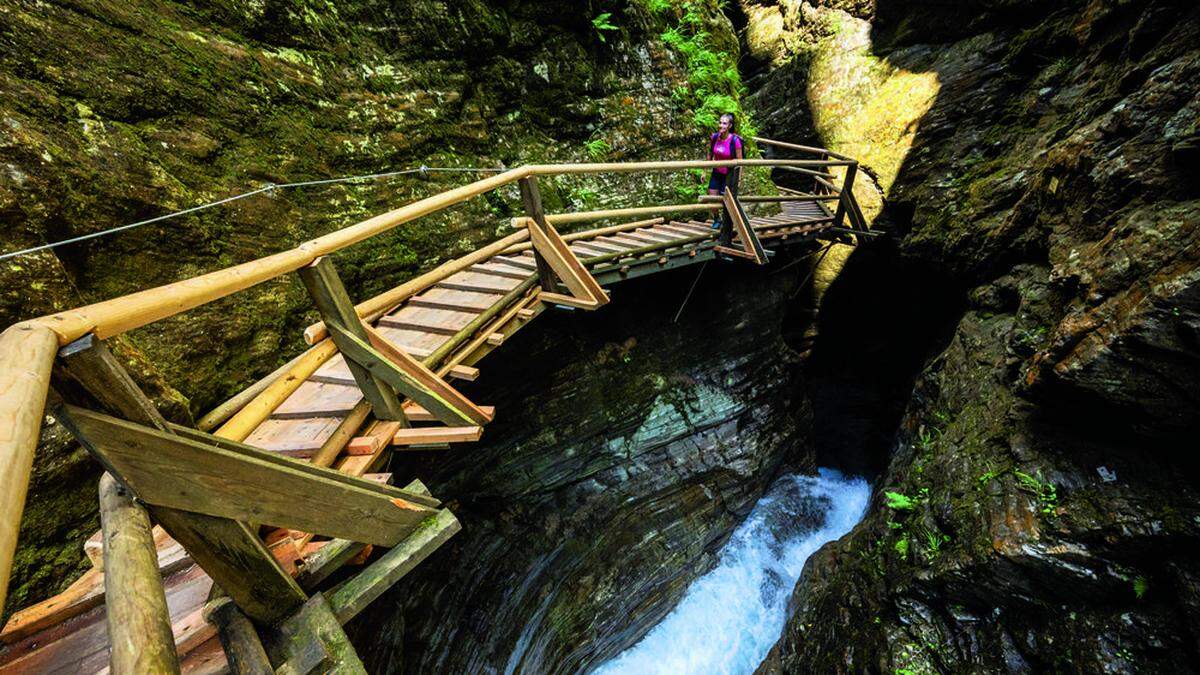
{"x":135,"y":605}
{"x":228,"y":550}
{"x":531,"y":197}
{"x":327,"y":291}
{"x":839,"y":217}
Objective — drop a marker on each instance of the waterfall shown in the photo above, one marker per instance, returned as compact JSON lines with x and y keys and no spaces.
{"x":730,"y":618}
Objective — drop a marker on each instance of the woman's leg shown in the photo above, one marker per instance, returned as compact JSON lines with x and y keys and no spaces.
{"x":716,"y":186}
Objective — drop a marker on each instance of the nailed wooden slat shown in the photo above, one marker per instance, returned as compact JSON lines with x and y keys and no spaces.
{"x":319,"y":399}
{"x":520,"y":262}
{"x":448,"y":298}
{"x":464,"y":373}
{"x":499,"y":270}
{"x":431,"y":435}
{"x":479,"y":283}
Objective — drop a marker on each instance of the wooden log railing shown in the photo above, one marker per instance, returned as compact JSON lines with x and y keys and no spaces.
{"x":28,"y":350}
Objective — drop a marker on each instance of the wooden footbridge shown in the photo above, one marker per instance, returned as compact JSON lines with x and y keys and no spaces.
{"x":276,"y":489}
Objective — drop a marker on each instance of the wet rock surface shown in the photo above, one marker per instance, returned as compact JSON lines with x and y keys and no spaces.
{"x":630,"y":449}
{"x":1038,"y":509}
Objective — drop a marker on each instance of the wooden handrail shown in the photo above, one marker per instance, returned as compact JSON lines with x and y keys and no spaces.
{"x":27,"y":350}
{"x":801,"y":148}
{"x":589,"y":216}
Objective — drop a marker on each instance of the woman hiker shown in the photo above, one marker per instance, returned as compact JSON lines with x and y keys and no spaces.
{"x":725,"y":144}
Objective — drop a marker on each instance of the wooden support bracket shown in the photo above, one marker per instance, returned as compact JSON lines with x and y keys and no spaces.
{"x":396,"y":368}
{"x":327,"y":291}
{"x":751,"y":246}
{"x":555,"y":256}
{"x":227,"y":550}
{"x":226,"y":479}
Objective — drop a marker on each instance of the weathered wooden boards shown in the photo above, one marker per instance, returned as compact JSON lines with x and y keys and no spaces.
{"x":555,"y":260}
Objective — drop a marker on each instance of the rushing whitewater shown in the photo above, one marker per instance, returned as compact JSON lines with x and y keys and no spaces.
{"x":729,"y":618}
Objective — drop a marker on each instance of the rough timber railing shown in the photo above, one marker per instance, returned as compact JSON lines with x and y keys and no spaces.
{"x":73,"y":339}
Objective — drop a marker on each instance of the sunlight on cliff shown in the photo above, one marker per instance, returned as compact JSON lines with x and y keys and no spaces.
{"x":865,"y":107}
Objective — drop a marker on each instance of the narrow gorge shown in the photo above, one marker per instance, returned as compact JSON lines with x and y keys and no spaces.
{"x":956,"y":443}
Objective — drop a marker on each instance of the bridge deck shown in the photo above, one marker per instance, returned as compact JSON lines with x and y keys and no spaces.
{"x":327,"y":417}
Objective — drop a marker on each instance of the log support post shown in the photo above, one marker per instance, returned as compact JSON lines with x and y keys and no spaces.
{"x":243,"y":650}
{"x":327,"y":291}
{"x":228,"y":550}
{"x":135,"y":606}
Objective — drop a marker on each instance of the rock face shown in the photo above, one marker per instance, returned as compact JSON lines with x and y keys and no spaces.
{"x":631,"y":448}
{"x":115,"y":112}
{"x":1038,"y":509}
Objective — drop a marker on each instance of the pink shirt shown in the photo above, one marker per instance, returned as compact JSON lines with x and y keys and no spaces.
{"x":726,"y":148}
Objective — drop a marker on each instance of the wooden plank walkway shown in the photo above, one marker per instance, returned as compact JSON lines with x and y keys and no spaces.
{"x":328,"y":417}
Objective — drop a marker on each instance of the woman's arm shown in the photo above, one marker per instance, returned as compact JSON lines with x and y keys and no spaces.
{"x":739,"y":149}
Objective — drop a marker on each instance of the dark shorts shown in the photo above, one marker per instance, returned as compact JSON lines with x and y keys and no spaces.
{"x":717,"y":182}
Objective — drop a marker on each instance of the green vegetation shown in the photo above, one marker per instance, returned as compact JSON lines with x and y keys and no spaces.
{"x":714,"y":84}
{"x":1140,"y":586}
{"x":899,"y":501}
{"x":1046,"y":493}
{"x":597,"y":149}
{"x":602,"y":24}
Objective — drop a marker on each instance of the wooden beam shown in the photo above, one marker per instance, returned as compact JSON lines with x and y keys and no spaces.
{"x":327,"y":291}
{"x":89,"y":363}
{"x":313,"y":641}
{"x":139,"y":624}
{"x":532,"y":200}
{"x":231,"y":480}
{"x":237,"y":561}
{"x":750,"y":243}
{"x":26,"y":359}
{"x":436,"y":435}
{"x":334,"y":554}
{"x":408,"y":376}
{"x":350,"y":598}
{"x":228,"y":551}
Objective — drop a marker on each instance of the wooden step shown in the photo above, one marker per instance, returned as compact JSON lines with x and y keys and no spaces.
{"x":428,"y":320}
{"x":499,"y":270}
{"x":459,"y":301}
{"x":435,"y":435}
{"x":478,"y":283}
{"x":521,"y":263}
